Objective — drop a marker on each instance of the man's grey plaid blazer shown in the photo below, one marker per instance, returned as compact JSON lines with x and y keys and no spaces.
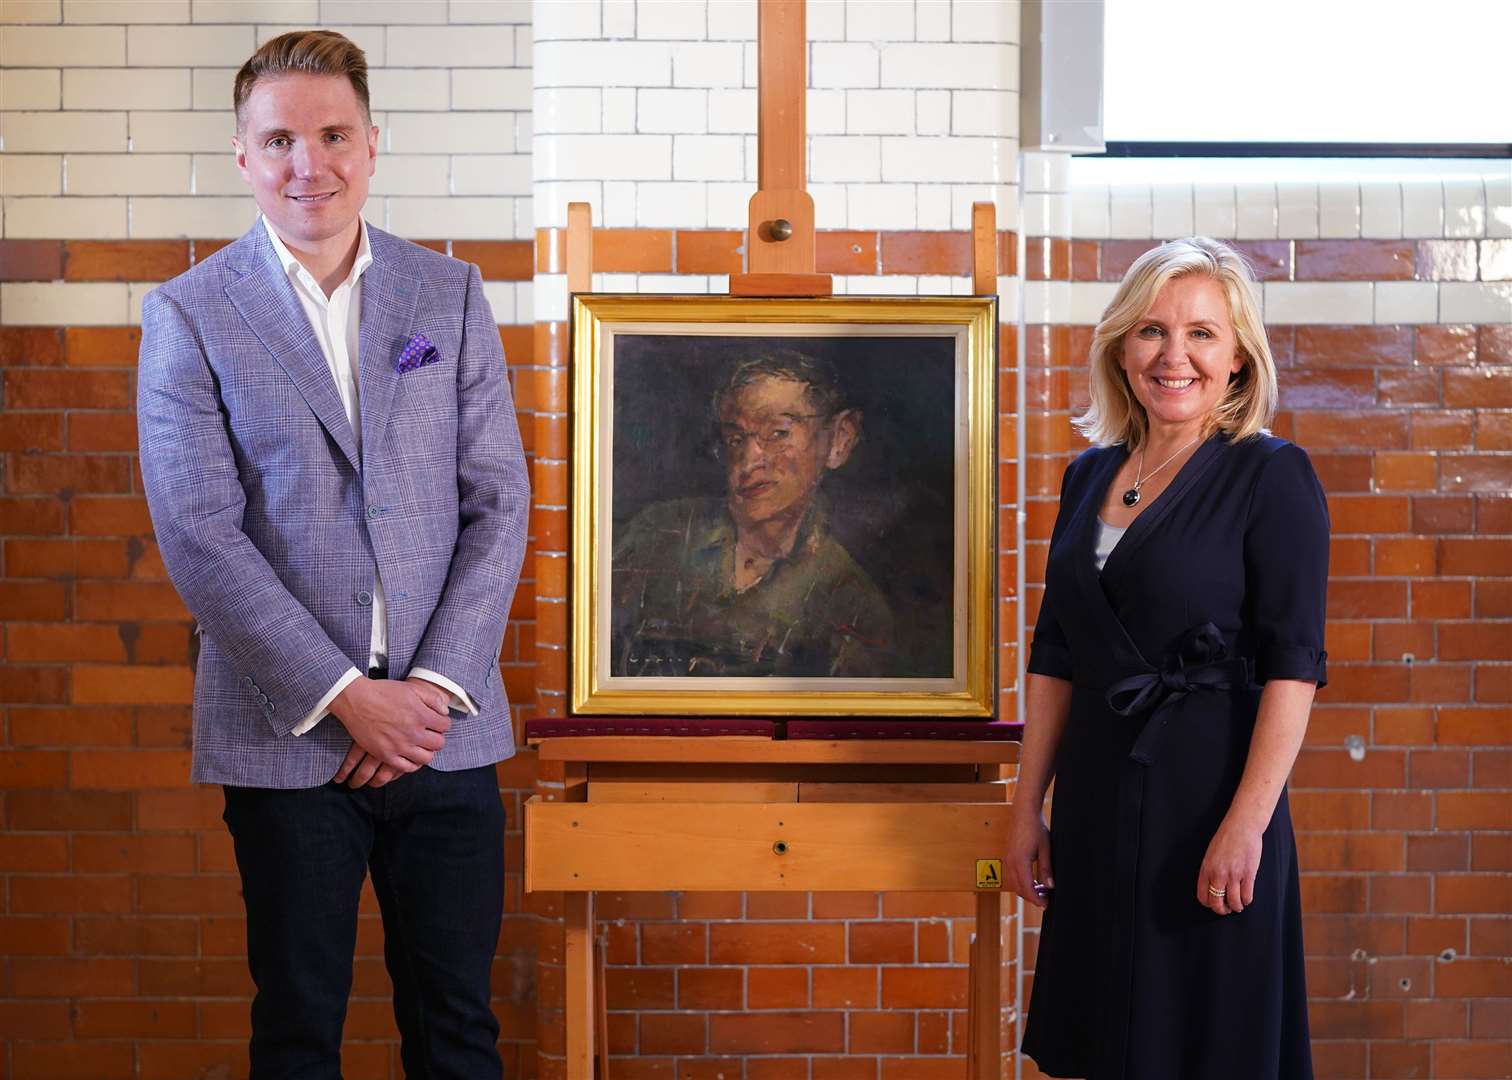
{"x":272,"y":528}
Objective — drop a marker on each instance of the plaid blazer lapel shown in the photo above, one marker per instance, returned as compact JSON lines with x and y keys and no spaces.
{"x":388,"y":310}
{"x":265,"y":299}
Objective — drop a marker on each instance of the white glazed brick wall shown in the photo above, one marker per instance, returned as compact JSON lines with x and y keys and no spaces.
{"x":115,"y":123}
{"x":1453,"y":206}
{"x":1045,"y":179}
{"x":646,"y":109}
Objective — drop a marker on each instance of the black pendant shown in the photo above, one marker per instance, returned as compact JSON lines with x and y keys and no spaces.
{"x":1131,"y":497}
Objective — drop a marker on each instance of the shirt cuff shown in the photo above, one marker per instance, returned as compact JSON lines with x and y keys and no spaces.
{"x":460,"y":701}
{"x":319,"y":712}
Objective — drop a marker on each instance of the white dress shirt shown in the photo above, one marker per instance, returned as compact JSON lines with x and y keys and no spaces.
{"x":336,"y":321}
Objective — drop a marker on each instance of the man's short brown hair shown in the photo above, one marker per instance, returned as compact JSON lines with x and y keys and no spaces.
{"x":308,"y":52}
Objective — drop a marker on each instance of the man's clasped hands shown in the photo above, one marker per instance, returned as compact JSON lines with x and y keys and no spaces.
{"x":396,"y":728}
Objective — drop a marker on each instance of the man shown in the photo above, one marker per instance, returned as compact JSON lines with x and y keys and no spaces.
{"x":755,"y":583}
{"x":336,"y":482}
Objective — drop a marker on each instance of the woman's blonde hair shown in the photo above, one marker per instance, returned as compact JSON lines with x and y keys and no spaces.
{"x":1115,"y":414}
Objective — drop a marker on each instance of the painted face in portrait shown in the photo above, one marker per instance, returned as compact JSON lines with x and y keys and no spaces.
{"x":307,"y":149}
{"x":776,"y":448}
{"x":1180,"y":356}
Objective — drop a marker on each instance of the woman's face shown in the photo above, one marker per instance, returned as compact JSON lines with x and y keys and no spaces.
{"x":1180,"y":356}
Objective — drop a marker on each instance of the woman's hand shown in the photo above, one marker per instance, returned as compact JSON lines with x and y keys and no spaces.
{"x":1226,"y":882}
{"x":1027,"y":867}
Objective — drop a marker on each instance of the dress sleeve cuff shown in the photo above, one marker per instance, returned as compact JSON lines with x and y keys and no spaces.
{"x":460,"y":701}
{"x":319,"y":712}
{"x":1300,"y":662}
{"x":1048,"y":659}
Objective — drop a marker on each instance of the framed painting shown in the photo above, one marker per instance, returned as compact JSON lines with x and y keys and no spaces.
{"x":783,"y":507}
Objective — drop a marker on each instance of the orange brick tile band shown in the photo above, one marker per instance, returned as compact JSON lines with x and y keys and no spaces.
{"x":666,"y":251}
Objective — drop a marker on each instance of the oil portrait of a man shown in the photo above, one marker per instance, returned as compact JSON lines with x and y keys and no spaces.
{"x":782,"y":508}
{"x":755,"y":583}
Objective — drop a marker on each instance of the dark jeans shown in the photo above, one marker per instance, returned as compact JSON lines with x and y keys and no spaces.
{"x":434,"y":842}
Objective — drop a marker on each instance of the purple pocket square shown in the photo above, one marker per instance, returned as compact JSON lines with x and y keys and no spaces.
{"x":418,"y":351}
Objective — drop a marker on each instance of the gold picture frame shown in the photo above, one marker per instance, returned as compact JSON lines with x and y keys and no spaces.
{"x":784,"y":507}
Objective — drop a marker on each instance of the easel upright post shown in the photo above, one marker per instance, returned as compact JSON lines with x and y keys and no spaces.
{"x":780,"y":242}
{"x":986,"y":1025}
{"x":582,"y":1025}
{"x":984,"y":1054}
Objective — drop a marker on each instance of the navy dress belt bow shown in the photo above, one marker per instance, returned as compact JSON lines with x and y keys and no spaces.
{"x":1199,"y":662}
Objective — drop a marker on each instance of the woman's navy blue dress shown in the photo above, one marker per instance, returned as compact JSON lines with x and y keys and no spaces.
{"x":1215,"y":588}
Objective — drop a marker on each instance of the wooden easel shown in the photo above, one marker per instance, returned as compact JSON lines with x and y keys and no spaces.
{"x":727,"y":813}
{"x":741,"y":814}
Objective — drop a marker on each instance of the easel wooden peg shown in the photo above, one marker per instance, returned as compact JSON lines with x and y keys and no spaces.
{"x":984,"y":249}
{"x":551,"y":392}
{"x":780,"y":244}
{"x":579,"y":248}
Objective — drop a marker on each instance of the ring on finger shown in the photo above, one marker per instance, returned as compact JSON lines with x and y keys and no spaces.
{"x":1219,"y":893}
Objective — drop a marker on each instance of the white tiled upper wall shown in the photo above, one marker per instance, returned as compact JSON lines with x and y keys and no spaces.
{"x":1458,"y":204}
{"x":1453,"y":205}
{"x":115,"y":121}
{"x":647,"y":109}
{"x":1302,"y":202}
{"x":115,"y":117}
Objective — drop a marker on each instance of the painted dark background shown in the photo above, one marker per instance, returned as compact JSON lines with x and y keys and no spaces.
{"x":893,"y":501}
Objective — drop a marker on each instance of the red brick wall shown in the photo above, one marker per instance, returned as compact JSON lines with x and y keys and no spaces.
{"x":122,"y":941}
{"x":1406,"y":852}
{"x":120,"y":931}
{"x":121,"y":925}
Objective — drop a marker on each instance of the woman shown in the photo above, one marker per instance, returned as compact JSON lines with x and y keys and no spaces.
{"x":1174,"y":662}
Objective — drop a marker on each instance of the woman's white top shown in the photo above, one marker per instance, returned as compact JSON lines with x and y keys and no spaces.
{"x":1108,"y":537}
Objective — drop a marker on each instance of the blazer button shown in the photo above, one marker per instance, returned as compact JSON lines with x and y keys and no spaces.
{"x":364,"y":598}
{"x":247,"y":679}
{"x":373,"y":511}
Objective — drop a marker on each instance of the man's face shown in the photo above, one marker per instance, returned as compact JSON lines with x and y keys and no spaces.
{"x":307,"y":149}
{"x":776,"y":448}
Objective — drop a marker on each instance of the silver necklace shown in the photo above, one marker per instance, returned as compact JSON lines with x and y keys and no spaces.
{"x":1131,"y":497}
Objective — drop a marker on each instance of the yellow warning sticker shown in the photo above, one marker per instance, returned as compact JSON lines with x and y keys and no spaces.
{"x":989,"y":873}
